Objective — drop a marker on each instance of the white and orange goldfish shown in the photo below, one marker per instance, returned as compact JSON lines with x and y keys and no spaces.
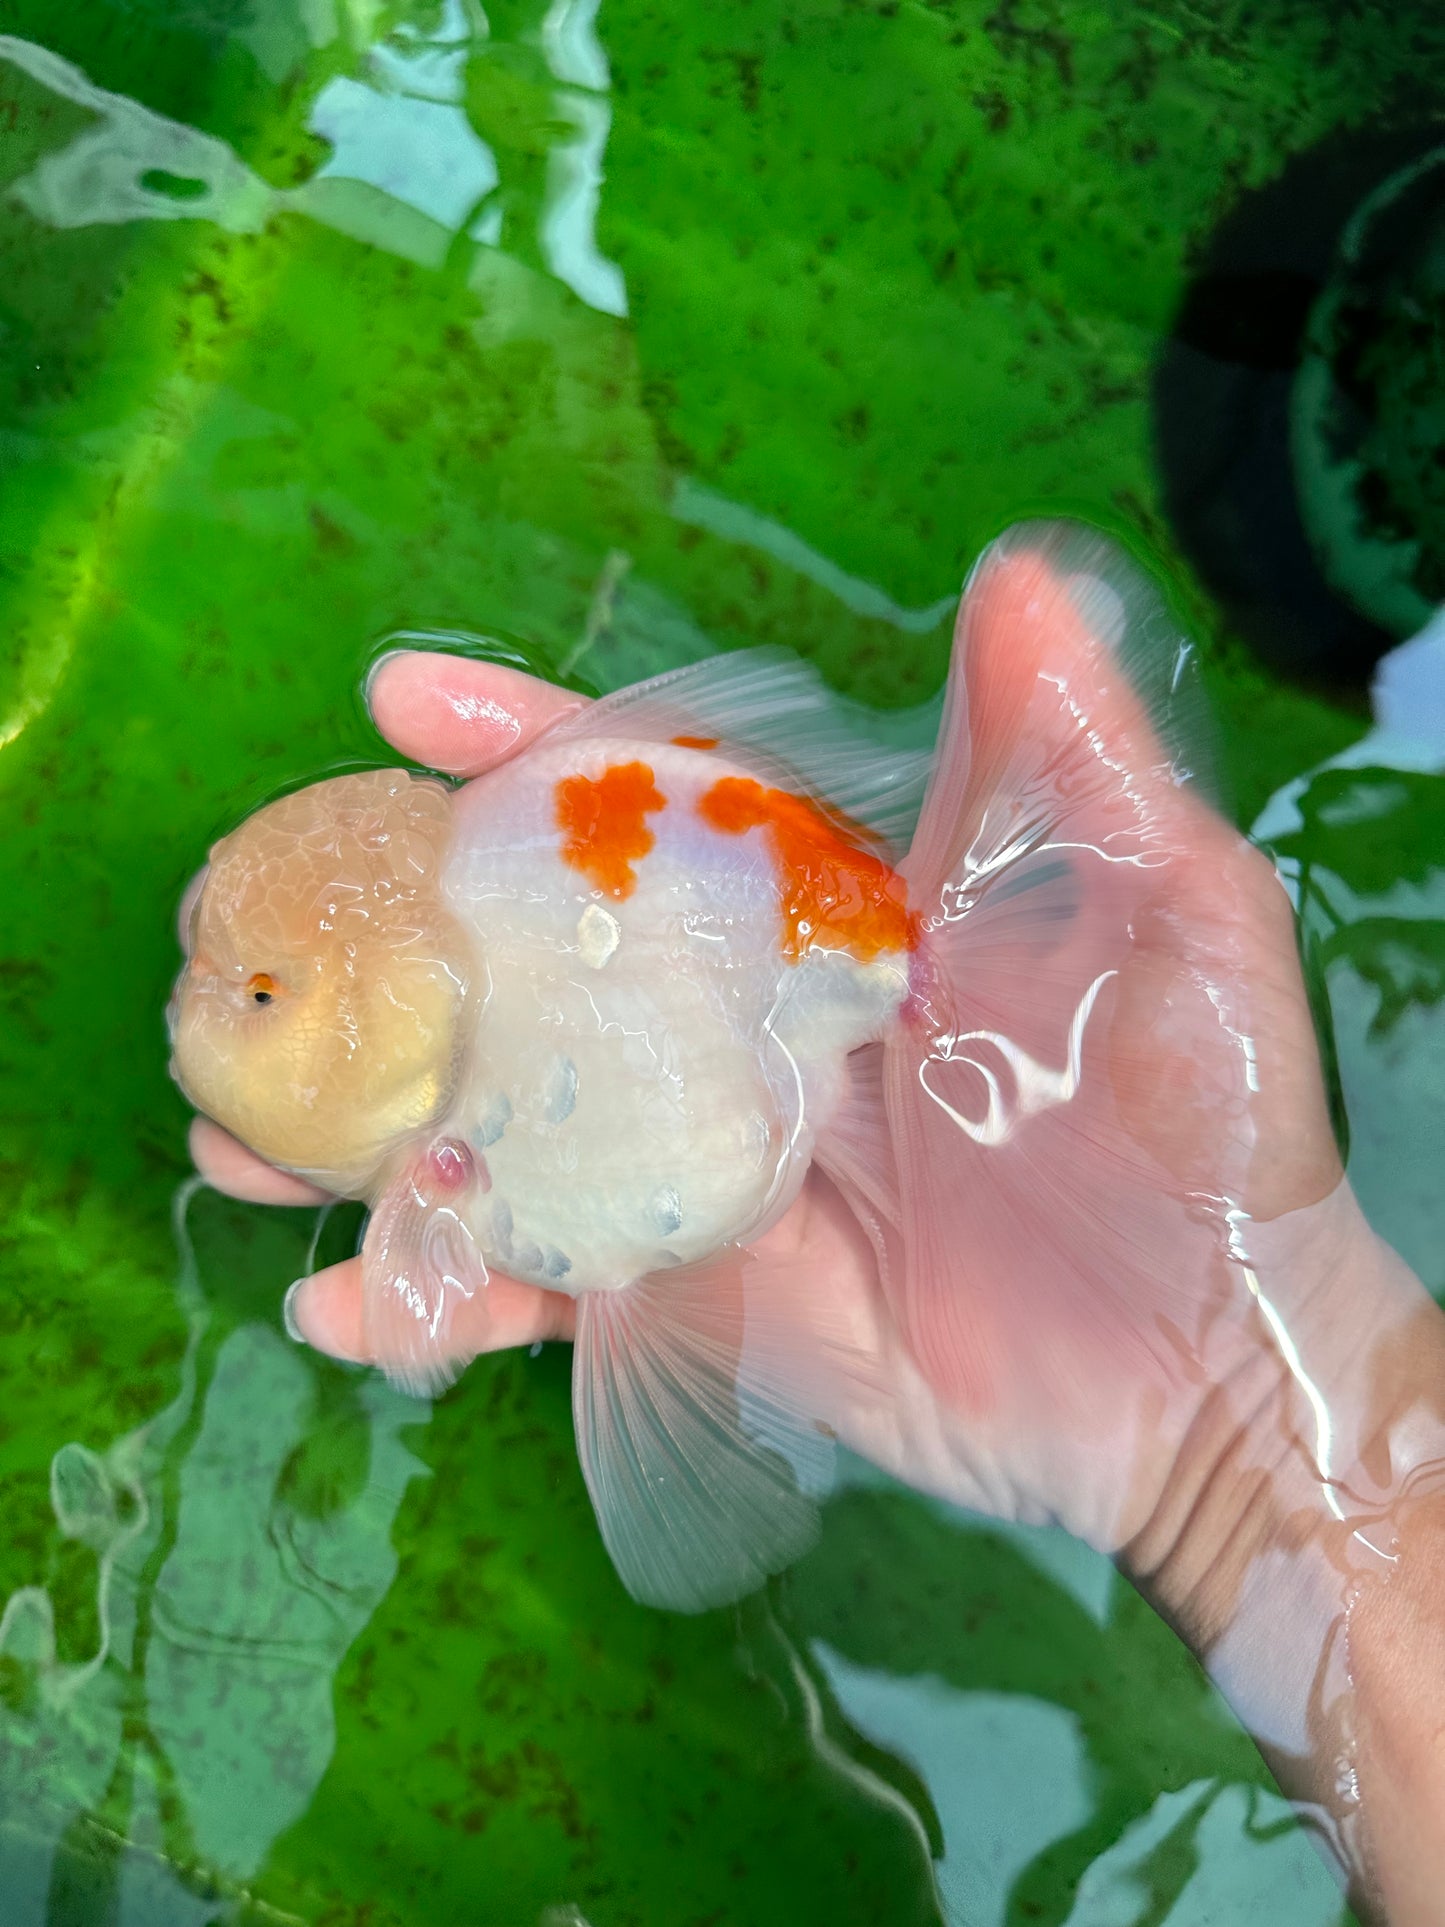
{"x":589,"y":1019}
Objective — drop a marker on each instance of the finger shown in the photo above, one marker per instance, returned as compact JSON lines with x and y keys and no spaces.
{"x":325,"y":1311}
{"x":228,"y":1166}
{"x":455,"y":714}
{"x":1041,"y":662}
{"x":1078,"y":698}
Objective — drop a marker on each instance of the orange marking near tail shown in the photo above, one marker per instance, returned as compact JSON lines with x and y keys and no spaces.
{"x":605,"y":826}
{"x":696,"y":742}
{"x":834,"y":891}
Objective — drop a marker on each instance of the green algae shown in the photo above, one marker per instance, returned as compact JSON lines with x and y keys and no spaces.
{"x":280,"y":1644}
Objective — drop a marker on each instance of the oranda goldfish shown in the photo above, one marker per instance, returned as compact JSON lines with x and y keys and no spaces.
{"x":589,"y":1018}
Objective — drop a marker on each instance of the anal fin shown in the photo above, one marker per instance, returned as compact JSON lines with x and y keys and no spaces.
{"x":702,"y":1459}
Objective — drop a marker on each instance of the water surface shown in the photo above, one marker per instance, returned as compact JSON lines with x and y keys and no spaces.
{"x":612,"y":339}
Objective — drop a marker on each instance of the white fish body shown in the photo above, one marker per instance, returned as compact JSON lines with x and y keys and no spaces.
{"x":649,"y":1068}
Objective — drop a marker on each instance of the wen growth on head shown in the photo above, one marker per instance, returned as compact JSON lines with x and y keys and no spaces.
{"x":589,"y":1019}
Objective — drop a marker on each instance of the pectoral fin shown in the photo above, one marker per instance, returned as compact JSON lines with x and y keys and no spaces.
{"x":419,"y":1261}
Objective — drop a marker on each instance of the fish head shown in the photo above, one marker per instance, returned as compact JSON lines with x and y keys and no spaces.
{"x":321,"y":1015}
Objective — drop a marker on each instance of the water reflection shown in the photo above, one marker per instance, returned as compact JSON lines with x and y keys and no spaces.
{"x":261,"y":1594}
{"x":958,"y":1682}
{"x":985,"y":1658}
{"x":421,"y":152}
{"x":449,"y":143}
{"x":1207,"y":1853}
{"x":702,"y":509}
{"x":399,"y":131}
{"x":131,"y":164}
{"x":1011,"y":1774}
{"x":1360,"y":842}
{"x":234,"y":1568}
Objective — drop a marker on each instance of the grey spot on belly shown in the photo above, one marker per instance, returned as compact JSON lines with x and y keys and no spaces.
{"x":664,"y":1208}
{"x":526,"y":1260}
{"x":496,"y":1119}
{"x":561,"y":1096}
{"x":524,"y":1256}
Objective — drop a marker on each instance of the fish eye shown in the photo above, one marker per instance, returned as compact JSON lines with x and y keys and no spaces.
{"x":262,"y":988}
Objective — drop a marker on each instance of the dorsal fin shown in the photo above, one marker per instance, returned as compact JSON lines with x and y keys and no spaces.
{"x":776,"y":715}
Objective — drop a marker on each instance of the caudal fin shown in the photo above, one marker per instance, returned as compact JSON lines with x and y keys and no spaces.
{"x":1037,"y":1205}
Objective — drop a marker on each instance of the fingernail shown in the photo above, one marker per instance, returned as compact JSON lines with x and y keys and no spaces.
{"x":386,"y":656}
{"x":288,"y":1315}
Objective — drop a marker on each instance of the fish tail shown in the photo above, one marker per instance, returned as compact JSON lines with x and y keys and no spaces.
{"x":989,"y":1144}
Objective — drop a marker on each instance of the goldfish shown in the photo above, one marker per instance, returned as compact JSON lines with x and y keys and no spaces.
{"x":590,"y":1019}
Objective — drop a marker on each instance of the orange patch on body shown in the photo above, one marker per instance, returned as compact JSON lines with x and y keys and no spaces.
{"x":604,"y":821}
{"x":696,"y":742}
{"x":834,"y":890}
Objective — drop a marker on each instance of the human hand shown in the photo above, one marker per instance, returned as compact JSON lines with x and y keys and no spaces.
{"x":1270,"y":1399}
{"x":1219,"y":931}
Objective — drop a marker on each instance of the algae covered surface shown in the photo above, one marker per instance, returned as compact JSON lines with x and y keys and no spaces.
{"x":605,"y":339}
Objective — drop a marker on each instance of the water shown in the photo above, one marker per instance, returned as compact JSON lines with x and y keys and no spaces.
{"x":615,"y":338}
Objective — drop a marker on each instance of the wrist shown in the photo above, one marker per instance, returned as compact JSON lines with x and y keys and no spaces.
{"x":1396,"y":1648}
{"x":1316,"y":1425}
{"x":1283,"y":1515}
